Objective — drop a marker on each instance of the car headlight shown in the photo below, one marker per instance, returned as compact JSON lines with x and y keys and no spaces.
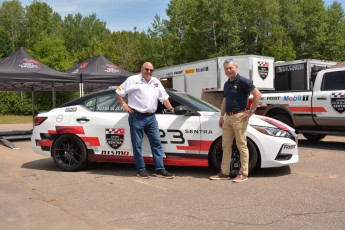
{"x":276,"y":132}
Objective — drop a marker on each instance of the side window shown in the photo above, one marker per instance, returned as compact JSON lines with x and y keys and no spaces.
{"x":333,"y":81}
{"x":161,"y":107}
{"x":90,"y":104}
{"x":104,"y":103}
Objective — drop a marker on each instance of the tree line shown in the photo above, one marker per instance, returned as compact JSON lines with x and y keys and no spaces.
{"x":194,"y":30}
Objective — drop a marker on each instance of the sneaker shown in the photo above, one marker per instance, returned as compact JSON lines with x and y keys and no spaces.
{"x":143,"y":174}
{"x":164,"y":173}
{"x":240,"y":178}
{"x":220,"y":176}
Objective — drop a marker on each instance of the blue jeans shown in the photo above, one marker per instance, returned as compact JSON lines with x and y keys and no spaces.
{"x":139,"y":124}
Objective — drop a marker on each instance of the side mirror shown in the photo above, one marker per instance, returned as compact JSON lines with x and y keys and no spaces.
{"x":181,"y":110}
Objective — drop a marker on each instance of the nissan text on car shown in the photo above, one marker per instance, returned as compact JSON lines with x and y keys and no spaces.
{"x":95,"y":128}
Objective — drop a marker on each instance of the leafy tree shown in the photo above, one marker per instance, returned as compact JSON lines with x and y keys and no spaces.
{"x":311,"y":39}
{"x":41,"y":20}
{"x":11,"y":26}
{"x":52,"y":52}
{"x":84,"y":36}
{"x":334,"y":48}
{"x":127,"y":49}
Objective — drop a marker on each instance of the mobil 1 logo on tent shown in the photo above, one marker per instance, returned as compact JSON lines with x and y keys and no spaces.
{"x":338,"y":102}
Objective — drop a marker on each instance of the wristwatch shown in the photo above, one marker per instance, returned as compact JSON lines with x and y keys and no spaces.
{"x":251,"y":111}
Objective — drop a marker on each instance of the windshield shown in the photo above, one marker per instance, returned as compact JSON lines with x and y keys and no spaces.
{"x":198,"y":104}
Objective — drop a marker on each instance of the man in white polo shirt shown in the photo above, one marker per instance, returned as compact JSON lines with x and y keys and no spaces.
{"x":143,"y":92}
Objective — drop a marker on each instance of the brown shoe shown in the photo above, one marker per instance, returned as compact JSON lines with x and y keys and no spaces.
{"x":240,"y":178}
{"x":220,"y":176}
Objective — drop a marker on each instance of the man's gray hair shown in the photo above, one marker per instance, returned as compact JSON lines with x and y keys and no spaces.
{"x":232,"y":60}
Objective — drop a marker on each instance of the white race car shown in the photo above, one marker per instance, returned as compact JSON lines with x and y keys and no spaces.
{"x":95,"y":128}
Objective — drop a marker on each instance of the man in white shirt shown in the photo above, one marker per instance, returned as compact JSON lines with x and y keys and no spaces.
{"x":143,"y":92}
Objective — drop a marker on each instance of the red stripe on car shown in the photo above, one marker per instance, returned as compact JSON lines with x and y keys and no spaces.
{"x":91,"y":141}
{"x":279,"y":125}
{"x":302,"y":109}
{"x":70,"y":129}
{"x":44,"y":143}
{"x":197,"y":145}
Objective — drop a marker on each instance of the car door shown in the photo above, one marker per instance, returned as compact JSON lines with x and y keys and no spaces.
{"x":329,"y":93}
{"x":108,"y":121}
{"x":180,"y":134}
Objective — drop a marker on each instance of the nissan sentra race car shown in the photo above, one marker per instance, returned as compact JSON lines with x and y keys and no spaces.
{"x":95,"y":128}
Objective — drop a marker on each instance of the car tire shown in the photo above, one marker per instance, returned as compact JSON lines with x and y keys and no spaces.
{"x":285,"y":119}
{"x":314,"y":137}
{"x":69,"y":153}
{"x":216,"y":155}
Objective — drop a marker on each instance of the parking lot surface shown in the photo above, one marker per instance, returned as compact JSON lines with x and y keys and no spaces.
{"x":35,"y":194}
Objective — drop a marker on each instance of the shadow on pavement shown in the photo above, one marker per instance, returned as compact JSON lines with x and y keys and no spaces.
{"x":329,"y":145}
{"x":122,"y":169}
{"x":42,"y":164}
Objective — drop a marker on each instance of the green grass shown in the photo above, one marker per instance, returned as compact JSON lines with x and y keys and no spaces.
{"x":14,"y":119}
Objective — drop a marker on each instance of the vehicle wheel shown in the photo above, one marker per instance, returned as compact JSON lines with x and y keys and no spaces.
{"x":69,"y":153}
{"x":283,"y":118}
{"x":314,"y":137}
{"x":216,"y":155}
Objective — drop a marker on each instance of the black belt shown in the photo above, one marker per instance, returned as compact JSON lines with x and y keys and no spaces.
{"x":235,"y":112}
{"x":143,"y":114}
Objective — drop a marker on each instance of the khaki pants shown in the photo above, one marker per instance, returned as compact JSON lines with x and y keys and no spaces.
{"x":235,"y":127}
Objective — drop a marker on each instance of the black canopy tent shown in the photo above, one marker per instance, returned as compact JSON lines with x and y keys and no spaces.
{"x":98,"y":73}
{"x":21,"y":72}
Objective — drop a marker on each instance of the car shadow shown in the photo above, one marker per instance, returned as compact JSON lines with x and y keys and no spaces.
{"x":121,"y":169}
{"x":272,"y":172}
{"x":128,"y":170}
{"x":329,"y":145}
{"x":42,"y":164}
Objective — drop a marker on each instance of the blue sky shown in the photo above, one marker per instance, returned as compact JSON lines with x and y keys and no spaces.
{"x":118,"y":14}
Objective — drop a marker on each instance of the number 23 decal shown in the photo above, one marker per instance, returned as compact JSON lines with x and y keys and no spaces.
{"x":177,"y":136}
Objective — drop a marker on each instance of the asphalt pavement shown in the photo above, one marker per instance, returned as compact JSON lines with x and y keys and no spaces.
{"x":35,"y":194}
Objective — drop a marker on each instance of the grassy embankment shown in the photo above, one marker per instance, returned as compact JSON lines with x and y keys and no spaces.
{"x":14,"y":119}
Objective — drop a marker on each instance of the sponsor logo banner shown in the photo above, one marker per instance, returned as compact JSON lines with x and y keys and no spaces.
{"x":30,"y":64}
{"x":338,"y":102}
{"x":114,"y":137}
{"x":263,"y":68}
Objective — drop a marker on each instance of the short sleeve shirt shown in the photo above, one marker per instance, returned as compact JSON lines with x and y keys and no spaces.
{"x":142,"y":95}
{"x":236,"y":93}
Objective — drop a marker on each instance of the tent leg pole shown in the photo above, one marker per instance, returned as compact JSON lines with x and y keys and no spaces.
{"x":54,"y":97}
{"x":33,"y":108}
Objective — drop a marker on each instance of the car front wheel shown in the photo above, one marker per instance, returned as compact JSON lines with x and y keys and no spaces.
{"x":69,"y":153}
{"x":216,"y":156}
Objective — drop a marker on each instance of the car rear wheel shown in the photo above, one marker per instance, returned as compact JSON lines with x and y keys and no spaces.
{"x":69,"y":153}
{"x":216,"y":155}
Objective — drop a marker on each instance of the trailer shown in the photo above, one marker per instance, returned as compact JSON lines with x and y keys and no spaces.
{"x":298,"y":74}
{"x":207,"y":76}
